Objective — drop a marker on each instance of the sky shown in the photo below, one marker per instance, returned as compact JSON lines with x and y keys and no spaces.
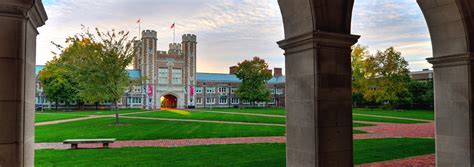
{"x":230,"y":31}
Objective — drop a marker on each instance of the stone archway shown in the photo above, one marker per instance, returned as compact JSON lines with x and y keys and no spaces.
{"x":317,"y":49}
{"x":169,"y":101}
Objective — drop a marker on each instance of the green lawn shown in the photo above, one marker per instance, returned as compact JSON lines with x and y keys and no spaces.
{"x":417,"y":114}
{"x":97,"y":112}
{"x":53,"y":117}
{"x":387,"y":120}
{"x":354,"y":124}
{"x":270,"y":111}
{"x":138,"y":129}
{"x":181,"y":114}
{"x":366,"y":151}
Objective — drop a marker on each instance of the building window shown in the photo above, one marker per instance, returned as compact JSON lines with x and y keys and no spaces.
{"x":198,"y":90}
{"x":233,"y":90}
{"x":134,"y":100}
{"x":235,"y":100}
{"x":210,"y":101}
{"x":177,"y":76}
{"x":272,"y":102}
{"x":163,"y":75}
{"x":279,"y":91}
{"x":223,"y":100}
{"x":246,"y":102}
{"x":198,"y":100}
{"x":210,"y":90}
{"x":222,"y":90}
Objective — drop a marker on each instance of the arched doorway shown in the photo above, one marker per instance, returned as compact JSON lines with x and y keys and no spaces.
{"x":169,"y":101}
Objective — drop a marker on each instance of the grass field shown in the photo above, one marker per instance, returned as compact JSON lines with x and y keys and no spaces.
{"x":417,"y":114}
{"x":386,"y":120}
{"x":138,"y":129}
{"x":270,"y":111}
{"x":262,"y":155}
{"x":181,"y":114}
{"x":96,"y":112}
{"x":53,"y":117}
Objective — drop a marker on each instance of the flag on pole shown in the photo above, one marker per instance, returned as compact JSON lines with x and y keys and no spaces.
{"x":172,"y":25}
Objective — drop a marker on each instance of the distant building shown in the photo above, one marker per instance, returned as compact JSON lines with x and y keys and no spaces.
{"x":424,"y":75}
{"x":169,"y":79}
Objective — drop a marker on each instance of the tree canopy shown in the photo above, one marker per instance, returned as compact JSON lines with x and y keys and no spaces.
{"x":254,"y":75}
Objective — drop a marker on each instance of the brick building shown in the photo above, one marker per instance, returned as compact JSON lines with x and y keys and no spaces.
{"x":169,"y":79}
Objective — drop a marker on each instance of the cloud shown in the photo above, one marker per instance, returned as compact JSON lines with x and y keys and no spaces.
{"x":400,"y":24}
{"x":228,"y":31}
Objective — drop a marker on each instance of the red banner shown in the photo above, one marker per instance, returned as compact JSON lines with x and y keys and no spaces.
{"x":150,"y":90}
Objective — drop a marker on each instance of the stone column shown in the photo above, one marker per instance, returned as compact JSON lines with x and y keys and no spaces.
{"x":318,"y":99}
{"x":18,"y":22}
{"x":453,"y":106}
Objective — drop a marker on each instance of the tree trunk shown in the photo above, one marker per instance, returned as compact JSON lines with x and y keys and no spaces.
{"x":57,"y":103}
{"x":96,"y":105}
{"x":116,"y":112}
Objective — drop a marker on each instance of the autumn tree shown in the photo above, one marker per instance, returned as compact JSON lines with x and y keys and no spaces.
{"x":58,"y":82}
{"x":99,"y":60}
{"x":254,"y":75}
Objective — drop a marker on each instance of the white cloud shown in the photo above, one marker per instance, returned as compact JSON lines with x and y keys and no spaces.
{"x":228,"y":30}
{"x":232,"y":30}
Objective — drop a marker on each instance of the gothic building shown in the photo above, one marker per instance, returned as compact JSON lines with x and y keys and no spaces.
{"x":168,"y":79}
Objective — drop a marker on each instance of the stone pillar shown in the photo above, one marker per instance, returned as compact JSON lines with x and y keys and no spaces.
{"x":18,"y":22}
{"x":318,"y":99}
{"x":454,"y":113}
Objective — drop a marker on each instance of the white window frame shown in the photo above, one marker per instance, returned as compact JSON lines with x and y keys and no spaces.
{"x":198,"y":100}
{"x":163,"y":75}
{"x":245,"y":102}
{"x":222,"y":90}
{"x":198,"y":90}
{"x":210,"y":89}
{"x":221,"y":100}
{"x":233,"y":90}
{"x":210,"y":100}
{"x":279,"y":91}
{"x":177,"y":74}
{"x":233,"y":101}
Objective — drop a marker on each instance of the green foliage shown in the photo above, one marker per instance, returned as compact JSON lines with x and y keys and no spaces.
{"x":379,"y":78}
{"x":421,"y":92}
{"x":98,"y":63}
{"x":254,"y":75}
{"x":57,"y":81}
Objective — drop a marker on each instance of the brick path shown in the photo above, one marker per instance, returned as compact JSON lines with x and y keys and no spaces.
{"x":388,"y":130}
{"x":420,"y":161}
{"x":239,"y":113}
{"x":170,"y":143}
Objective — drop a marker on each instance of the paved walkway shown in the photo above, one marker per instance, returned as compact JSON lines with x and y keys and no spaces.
{"x":239,"y":113}
{"x":380,"y":116}
{"x":67,"y":120}
{"x":420,"y":161}
{"x":170,"y":143}
{"x":389,"y":130}
{"x":204,"y":121}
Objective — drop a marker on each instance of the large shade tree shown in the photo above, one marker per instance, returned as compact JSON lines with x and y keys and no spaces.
{"x":254,"y":75}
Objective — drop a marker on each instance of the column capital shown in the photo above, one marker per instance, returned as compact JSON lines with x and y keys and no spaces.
{"x":32,"y":10}
{"x":317,"y":39}
{"x":452,"y":60}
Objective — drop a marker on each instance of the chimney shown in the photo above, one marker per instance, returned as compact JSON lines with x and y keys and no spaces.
{"x":277,"y":72}
{"x":232,"y":70}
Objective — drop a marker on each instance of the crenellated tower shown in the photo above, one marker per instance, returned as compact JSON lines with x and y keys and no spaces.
{"x":147,"y":67}
{"x":189,"y":44}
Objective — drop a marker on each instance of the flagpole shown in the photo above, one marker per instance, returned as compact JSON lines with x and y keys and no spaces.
{"x":174,"y":33}
{"x":139,"y":29}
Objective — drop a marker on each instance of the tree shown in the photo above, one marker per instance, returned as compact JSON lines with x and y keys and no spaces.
{"x":100,"y":60}
{"x":387,"y":77}
{"x":254,"y":75}
{"x":58,"y":83}
{"x":359,"y":53}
